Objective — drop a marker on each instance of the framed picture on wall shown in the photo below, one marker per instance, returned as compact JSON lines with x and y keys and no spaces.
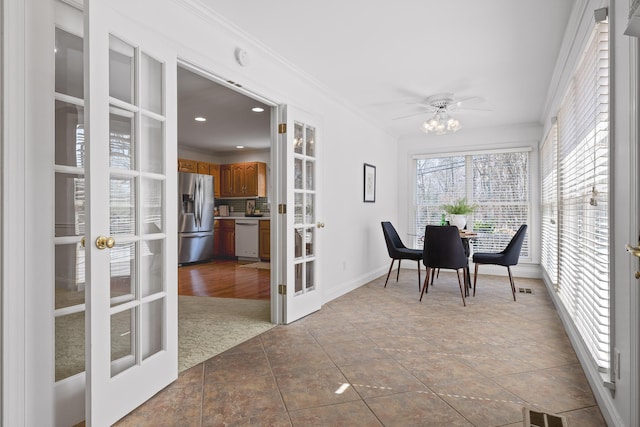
{"x":369,"y":183}
{"x":250,"y":207}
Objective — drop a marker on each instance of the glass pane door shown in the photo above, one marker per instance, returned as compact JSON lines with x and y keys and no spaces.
{"x":132,"y":300}
{"x":136,"y":189}
{"x":303,"y":229}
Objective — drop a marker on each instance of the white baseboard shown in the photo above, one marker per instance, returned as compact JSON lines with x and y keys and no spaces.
{"x":525,"y":270}
{"x":351,"y":285}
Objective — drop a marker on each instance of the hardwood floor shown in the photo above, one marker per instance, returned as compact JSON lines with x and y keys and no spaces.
{"x":224,"y":279}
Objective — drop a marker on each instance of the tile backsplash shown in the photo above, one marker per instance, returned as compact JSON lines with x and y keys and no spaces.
{"x":237,"y":206}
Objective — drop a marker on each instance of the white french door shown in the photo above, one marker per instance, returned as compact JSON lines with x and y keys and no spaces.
{"x":115,"y":305}
{"x":131,"y":182}
{"x":302,"y":225}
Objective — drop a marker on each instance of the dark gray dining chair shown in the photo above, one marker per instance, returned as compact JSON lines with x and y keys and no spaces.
{"x":398,"y":251}
{"x":508,"y":257}
{"x":443,"y":249}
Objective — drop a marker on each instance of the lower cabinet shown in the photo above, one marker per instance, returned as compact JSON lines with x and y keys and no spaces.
{"x":226,"y":241}
{"x":265,"y":240}
{"x":216,"y":238}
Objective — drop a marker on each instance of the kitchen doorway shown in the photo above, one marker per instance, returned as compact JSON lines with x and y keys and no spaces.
{"x":226,"y":134}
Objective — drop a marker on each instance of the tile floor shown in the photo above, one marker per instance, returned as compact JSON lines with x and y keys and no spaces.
{"x":377,"y":357}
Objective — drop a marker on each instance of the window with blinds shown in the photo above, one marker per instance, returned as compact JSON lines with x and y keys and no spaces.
{"x":549,"y":169}
{"x":497,"y":182}
{"x":582,"y":174}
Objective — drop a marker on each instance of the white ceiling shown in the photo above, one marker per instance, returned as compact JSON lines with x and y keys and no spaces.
{"x":382,"y":57}
{"x":230,"y":121}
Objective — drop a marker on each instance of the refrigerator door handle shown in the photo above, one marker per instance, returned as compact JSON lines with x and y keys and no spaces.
{"x":201,"y":200}
{"x":197,"y":201}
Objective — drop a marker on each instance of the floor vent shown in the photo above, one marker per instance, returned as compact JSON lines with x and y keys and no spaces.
{"x":542,"y":419}
{"x":525,"y":290}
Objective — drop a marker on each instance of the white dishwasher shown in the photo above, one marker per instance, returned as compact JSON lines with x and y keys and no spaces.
{"x":247,"y":238}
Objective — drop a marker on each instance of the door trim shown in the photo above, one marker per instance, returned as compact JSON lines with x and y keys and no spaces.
{"x":21,"y":404}
{"x":275,"y":166}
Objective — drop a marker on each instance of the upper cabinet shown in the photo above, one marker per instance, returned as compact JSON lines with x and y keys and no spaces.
{"x":214,"y":170}
{"x":247,"y":179}
{"x":243,"y":180}
{"x":185,"y":165}
{"x":203,"y":168}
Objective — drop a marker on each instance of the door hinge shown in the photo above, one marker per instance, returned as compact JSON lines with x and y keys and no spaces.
{"x":282,"y":289}
{"x":282,"y":208}
{"x":282,"y":128}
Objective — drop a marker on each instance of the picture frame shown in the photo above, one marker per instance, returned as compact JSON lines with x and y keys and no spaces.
{"x":250,"y":207}
{"x":369,"y":186}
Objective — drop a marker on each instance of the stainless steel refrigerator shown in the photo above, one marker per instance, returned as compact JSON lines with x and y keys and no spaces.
{"x":195,"y":217}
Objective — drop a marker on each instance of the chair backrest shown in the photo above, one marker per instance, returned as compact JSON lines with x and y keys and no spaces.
{"x":391,"y":238}
{"x":443,"y":247}
{"x":512,"y":251}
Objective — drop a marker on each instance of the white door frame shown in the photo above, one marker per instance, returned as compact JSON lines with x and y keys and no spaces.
{"x":275,"y":189}
{"x":23,"y":402}
{"x":634,"y":189}
{"x":13,"y":263}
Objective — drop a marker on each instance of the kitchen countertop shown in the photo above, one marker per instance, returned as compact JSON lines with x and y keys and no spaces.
{"x":261,"y":218}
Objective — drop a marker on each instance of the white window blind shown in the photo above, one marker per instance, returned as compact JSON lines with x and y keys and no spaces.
{"x":549,"y":174}
{"x":583,"y":204}
{"x":497,"y":182}
{"x":501,"y":191}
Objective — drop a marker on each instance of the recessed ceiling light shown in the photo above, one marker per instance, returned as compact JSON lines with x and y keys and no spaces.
{"x":239,"y":147}
{"x":257,"y":109}
{"x":200,"y":119}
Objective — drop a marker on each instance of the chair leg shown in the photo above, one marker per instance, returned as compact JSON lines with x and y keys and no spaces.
{"x":390,"y":268}
{"x":513,"y":286}
{"x":460,"y":284}
{"x":426,"y":283}
{"x":475,"y":279}
{"x":434,"y":275}
{"x":418,"y":275}
{"x":399,"y":263}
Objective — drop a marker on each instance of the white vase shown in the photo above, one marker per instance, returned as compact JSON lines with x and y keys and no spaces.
{"x":458,"y":220}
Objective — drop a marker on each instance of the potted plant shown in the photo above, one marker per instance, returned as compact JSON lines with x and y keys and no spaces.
{"x":458,"y":212}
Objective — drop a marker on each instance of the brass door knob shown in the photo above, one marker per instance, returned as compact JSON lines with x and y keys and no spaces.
{"x":633,"y":250}
{"x":103,"y":242}
{"x":82,"y":242}
{"x":320,"y":225}
{"x":637,"y":275}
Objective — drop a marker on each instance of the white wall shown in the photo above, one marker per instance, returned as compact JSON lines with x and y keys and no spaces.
{"x":521,"y":136}
{"x":352,"y":250}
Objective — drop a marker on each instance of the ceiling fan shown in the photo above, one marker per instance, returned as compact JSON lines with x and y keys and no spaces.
{"x":441,"y":105}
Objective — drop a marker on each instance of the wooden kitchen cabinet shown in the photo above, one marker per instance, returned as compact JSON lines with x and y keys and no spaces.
{"x":227,"y":237}
{"x":216,"y":238}
{"x":264,"y":248}
{"x":226,"y":188}
{"x":203,"y":168}
{"x":185,"y":165}
{"x":243,"y":180}
{"x":214,"y":170}
{"x":255,"y":179}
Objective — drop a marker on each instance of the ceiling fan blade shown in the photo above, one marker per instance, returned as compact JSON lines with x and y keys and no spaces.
{"x":464,"y":109}
{"x":411,"y":115}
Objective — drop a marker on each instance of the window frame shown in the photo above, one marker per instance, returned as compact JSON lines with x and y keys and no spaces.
{"x":533,"y":191}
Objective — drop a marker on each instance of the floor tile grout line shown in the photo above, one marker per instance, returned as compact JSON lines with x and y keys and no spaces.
{"x":275,"y":380}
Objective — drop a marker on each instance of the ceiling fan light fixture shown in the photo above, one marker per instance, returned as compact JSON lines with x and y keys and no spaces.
{"x":441,"y":123}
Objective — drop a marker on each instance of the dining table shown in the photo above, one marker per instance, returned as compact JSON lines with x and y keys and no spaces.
{"x":466,"y":236}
